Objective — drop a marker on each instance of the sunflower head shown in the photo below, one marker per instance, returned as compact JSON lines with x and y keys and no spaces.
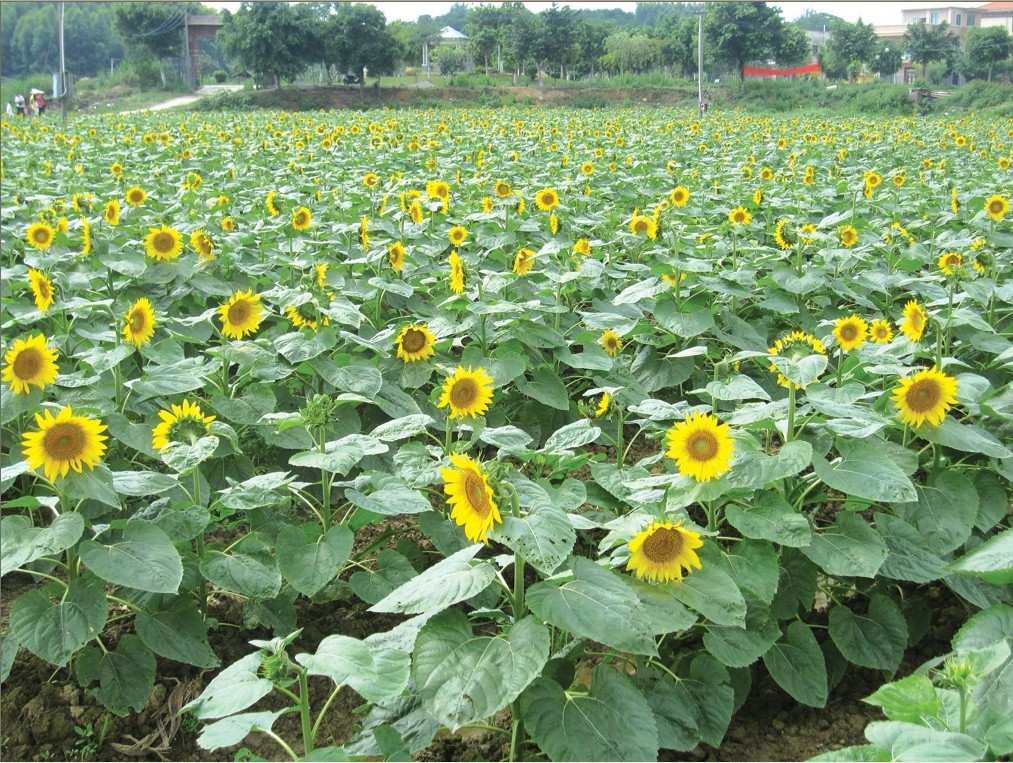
{"x":30,"y":362}
{"x":523,"y":261}
{"x":582,"y":247}
{"x":849,"y":236}
{"x":679,"y":196}
{"x":64,"y":442}
{"x":139,"y":324}
{"x":796,"y":345}
{"x":467,"y":393}
{"x":603,"y":405}
{"x":456,"y":273}
{"x":163,"y":243}
{"x":880,"y":332}
{"x":641,"y":224}
{"x":785,"y":235}
{"x":457,"y":235}
{"x":611,"y":342}
{"x":661,"y":551}
{"x":740,"y":216}
{"x":111,"y":213}
{"x":996,"y":207}
{"x":502,"y":189}
{"x":851,"y":332}
{"x":470,"y":497}
{"x":184,"y":423}
{"x":241,"y":315}
{"x":701,"y":447}
{"x":307,"y":314}
{"x":301,"y":218}
{"x":415,"y":342}
{"x":40,"y":236}
{"x":415,"y":212}
{"x":949,"y":263}
{"x":42,"y":290}
{"x":136,"y":196}
{"x":546,"y":199}
{"x":396,"y":253}
{"x":926,"y":396}
{"x":915,"y":320}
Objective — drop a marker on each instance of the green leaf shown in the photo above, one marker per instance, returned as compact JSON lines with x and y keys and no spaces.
{"x":862,"y":753}
{"x":144,"y":558}
{"x":849,"y":547}
{"x":444,"y":584}
{"x":183,"y":459}
{"x":755,"y":567}
{"x":911,"y":699}
{"x":863,"y":472}
{"x":509,"y":439}
{"x":9,"y":646}
{"x":739,"y":387}
{"x":713,"y":594}
{"x":992,"y":561}
{"x":163,"y":383}
{"x":665,"y":613}
{"x":909,"y":557}
{"x":597,"y":605}
{"x":796,"y":662}
{"x":234,"y":689}
{"x":463,"y":678}
{"x":685,"y":325}
{"x":915,"y":742}
{"x":126,"y":676}
{"x":234,"y":729}
{"x":393,"y":570}
{"x":674,"y":707}
{"x":802,"y":372}
{"x":340,"y":455}
{"x":269,"y":489}
{"x":740,"y":647}
{"x":402,"y":428}
{"x":543,"y":536}
{"x":296,"y":348}
{"x":965,"y":438}
{"x":754,"y":469}
{"x":253,"y":574}
{"x":340,"y":658}
{"x":54,"y":632}
{"x":770,"y":518}
{"x":178,"y":631}
{"x":611,"y":722}
{"x":310,"y":563}
{"x":143,"y":483}
{"x":20,"y":543}
{"x":875,"y":640}
{"x":546,"y":387}
{"x":985,"y":628}
{"x":360,"y":380}
{"x":992,"y":498}
{"x":945,"y":510}
{"x":391,"y":499}
{"x":796,"y":585}
{"x":571,"y":436}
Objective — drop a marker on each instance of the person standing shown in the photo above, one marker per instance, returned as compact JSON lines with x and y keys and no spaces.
{"x":40,"y":103}
{"x":19,"y":104}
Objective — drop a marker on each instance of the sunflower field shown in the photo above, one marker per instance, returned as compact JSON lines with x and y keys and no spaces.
{"x":589,"y":416}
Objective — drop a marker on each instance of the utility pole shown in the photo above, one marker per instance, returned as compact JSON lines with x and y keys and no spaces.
{"x":63,"y":72}
{"x":699,"y":68}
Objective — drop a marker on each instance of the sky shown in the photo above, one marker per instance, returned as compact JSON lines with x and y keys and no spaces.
{"x":869,"y":12}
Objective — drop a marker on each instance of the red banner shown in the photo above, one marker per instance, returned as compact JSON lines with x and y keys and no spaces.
{"x":752,"y":71}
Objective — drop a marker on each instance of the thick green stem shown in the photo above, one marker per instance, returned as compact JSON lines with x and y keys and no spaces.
{"x":620,"y":453}
{"x":963,"y":710}
{"x":789,"y":434}
{"x":517,"y":733}
{"x":304,"y":714}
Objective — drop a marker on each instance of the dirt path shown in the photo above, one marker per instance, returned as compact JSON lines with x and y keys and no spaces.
{"x":185,"y":100}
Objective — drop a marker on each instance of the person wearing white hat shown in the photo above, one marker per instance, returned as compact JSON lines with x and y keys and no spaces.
{"x":19,"y":104}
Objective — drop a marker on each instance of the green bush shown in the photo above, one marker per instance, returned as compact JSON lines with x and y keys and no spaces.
{"x":220,"y":76}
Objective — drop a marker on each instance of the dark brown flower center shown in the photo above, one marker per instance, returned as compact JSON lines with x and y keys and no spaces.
{"x":163,"y":243}
{"x":478,"y":499}
{"x":663,"y":545}
{"x":702,"y":446}
{"x":923,"y":395}
{"x":41,"y":235}
{"x":28,"y":363}
{"x":463,"y":393}
{"x":849,"y":332}
{"x":64,"y":441}
{"x":137,"y":320}
{"x":640,"y":226}
{"x":239,"y":312}
{"x":43,"y":287}
{"x":414,"y":341}
{"x":995,"y":207}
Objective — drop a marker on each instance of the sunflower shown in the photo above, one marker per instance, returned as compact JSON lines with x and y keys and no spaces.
{"x":184,"y":423}
{"x":679,"y":196}
{"x":851,"y":332}
{"x":603,"y":405}
{"x":395,"y":252}
{"x":807,"y":228}
{"x":203,"y":245}
{"x":915,"y":318}
{"x":553,"y":224}
{"x":241,"y":315}
{"x":587,"y":168}
{"x":415,"y":212}
{"x":64,"y":442}
{"x":880,"y":332}
{"x":758,"y":197}
{"x":111,"y":213}
{"x":370,"y":179}
{"x":140,"y":323}
{"x":457,"y":235}
{"x":228,"y":224}
{"x":163,"y":243}
{"x":899,"y":180}
{"x":364,"y":234}
{"x":796,"y":345}
{"x":611,"y":342}
{"x":582,"y":247}
{"x":996,"y":207}
{"x":701,"y":447}
{"x":415,"y":342}
{"x":301,"y":218}
{"x":926,"y":396}
{"x":546,"y":199}
{"x":740,"y":216}
{"x":116,"y":170}
{"x":456,"y":273}
{"x":471,"y":498}
{"x":523,"y":261}
{"x":42,"y":289}
{"x":487,"y":204}
{"x":783,"y":235}
{"x":307,"y":314}
{"x":40,"y":235}
{"x":438,"y":189}
{"x":873,"y":179}
{"x":954,"y":201}
{"x":271,"y":207}
{"x":30,"y":362}
{"x":468,"y":393}
{"x":643,"y":224}
{"x":502,"y":189}
{"x":520,"y":205}
{"x":661,"y":551}
{"x":321,"y":271}
{"x":1004,"y":163}
{"x":948,"y":262}
{"x":136,"y":196}
{"x":849,"y":236}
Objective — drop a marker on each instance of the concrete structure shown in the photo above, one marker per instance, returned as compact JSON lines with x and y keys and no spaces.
{"x":195,"y":29}
{"x":997,"y":14}
{"x":447,"y":36}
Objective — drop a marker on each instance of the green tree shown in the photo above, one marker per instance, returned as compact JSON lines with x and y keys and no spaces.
{"x":629,"y":52}
{"x":362,"y":42}
{"x":591,"y":36}
{"x":986,"y":49}
{"x":795,"y":48}
{"x":155,"y":29}
{"x":450,"y":58}
{"x":815,"y":21}
{"x":486,"y":27}
{"x":927,"y":44}
{"x":888,"y":59}
{"x":849,"y":49}
{"x":268,"y":38}
{"x":743,"y":32}
{"x":555,"y":39}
